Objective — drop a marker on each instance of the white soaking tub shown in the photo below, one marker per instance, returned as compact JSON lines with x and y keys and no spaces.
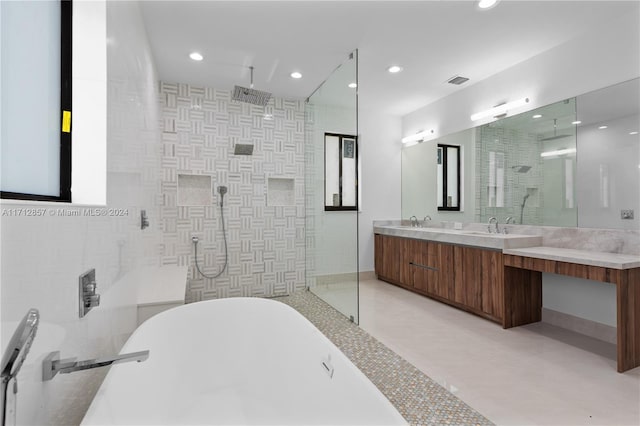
{"x":237,"y":361}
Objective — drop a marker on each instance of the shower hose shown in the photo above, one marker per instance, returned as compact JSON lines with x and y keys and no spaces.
{"x":226,"y":254}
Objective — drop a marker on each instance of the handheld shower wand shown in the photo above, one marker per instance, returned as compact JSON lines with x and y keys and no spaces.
{"x":222,"y":190}
{"x":524,"y":201}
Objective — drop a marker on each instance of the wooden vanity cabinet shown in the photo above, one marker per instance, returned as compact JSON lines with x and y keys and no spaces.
{"x":427,"y":267}
{"x":479,"y":281}
{"x":466,"y":277}
{"x":387,"y":257}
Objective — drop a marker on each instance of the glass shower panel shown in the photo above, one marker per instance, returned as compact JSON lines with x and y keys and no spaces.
{"x":331,"y":170}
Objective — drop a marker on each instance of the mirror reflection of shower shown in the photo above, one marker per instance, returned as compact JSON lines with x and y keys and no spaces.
{"x":524,"y":201}
{"x":522,"y":169}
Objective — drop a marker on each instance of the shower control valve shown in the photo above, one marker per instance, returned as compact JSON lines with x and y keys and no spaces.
{"x":88,"y":298}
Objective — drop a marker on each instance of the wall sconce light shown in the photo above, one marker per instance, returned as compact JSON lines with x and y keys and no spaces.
{"x":499,"y":110}
{"x":558,"y":152}
{"x":417,"y":138}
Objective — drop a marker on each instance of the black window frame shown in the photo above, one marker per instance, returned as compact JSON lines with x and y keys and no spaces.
{"x":445,"y":188}
{"x":341,"y":137}
{"x":66,"y":57}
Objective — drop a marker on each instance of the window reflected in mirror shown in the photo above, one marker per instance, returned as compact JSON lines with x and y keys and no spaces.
{"x":448,"y":180}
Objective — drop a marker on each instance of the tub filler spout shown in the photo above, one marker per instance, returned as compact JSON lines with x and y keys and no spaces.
{"x":53,"y":365}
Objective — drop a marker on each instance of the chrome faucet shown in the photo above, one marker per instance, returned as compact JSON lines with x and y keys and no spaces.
{"x":414,"y":221}
{"x":53,"y":365}
{"x":507,"y":221}
{"x":493,"y":220}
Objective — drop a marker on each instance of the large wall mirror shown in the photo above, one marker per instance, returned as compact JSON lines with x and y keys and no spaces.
{"x":572,"y":163}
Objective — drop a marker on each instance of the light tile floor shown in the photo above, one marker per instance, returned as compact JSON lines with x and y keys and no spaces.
{"x":534,"y":374}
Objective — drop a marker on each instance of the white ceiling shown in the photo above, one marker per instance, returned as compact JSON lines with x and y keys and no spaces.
{"x":432,"y":40}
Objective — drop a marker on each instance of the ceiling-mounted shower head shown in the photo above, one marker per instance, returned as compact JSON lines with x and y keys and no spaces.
{"x":520,"y":169}
{"x":555,"y":133}
{"x":250,"y":95}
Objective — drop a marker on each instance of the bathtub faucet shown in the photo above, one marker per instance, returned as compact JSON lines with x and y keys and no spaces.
{"x":53,"y":365}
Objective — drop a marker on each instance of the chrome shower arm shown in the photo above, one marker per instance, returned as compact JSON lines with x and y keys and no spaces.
{"x":53,"y":365}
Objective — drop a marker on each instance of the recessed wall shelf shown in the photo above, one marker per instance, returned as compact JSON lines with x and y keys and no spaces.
{"x":281,"y":192}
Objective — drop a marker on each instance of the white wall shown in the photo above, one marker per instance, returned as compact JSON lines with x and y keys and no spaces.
{"x":380,"y":151}
{"x":608,"y":174}
{"x":607,"y":55}
{"x":419,"y":175}
{"x":42,"y":256}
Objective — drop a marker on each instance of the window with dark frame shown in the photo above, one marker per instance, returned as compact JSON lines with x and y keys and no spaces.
{"x":340,"y":172}
{"x":66,"y":16}
{"x":448,"y":163}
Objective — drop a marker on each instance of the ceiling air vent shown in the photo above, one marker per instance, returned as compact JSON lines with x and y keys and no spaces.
{"x":457,"y":80}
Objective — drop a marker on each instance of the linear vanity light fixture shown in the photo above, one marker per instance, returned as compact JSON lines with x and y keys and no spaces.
{"x":417,"y":138}
{"x":558,"y":152}
{"x":499,"y":110}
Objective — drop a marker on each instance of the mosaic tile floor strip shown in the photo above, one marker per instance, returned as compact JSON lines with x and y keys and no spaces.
{"x":418,"y":398}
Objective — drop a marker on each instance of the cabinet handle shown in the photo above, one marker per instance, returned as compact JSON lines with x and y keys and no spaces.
{"x":431,"y":268}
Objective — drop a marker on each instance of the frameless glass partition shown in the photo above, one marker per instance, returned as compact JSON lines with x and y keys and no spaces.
{"x":331,"y":185}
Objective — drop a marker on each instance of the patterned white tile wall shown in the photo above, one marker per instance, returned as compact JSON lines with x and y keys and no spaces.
{"x":266,"y":244}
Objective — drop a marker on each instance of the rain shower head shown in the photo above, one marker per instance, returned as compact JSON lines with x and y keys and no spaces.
{"x":520,"y":169}
{"x":555,"y":133}
{"x":250,"y":95}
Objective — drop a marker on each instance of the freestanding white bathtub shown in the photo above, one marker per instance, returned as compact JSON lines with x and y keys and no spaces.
{"x":237,"y":361}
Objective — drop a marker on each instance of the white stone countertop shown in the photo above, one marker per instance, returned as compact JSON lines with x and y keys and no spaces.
{"x":464,"y":237}
{"x":583,"y":257}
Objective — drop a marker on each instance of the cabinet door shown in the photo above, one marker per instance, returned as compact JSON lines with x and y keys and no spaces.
{"x":445,"y":284}
{"x":468,"y":277}
{"x":492,"y":283}
{"x":479,"y":280}
{"x":387,"y":257}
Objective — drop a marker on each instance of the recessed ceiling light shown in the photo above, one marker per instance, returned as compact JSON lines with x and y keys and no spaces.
{"x":296,"y":75}
{"x":486,"y":4}
{"x":353,"y":85}
{"x":537,"y":116}
{"x":633,"y":133}
{"x":394,"y":69}
{"x":576,"y":122}
{"x":602,"y":127}
{"x":196,"y":56}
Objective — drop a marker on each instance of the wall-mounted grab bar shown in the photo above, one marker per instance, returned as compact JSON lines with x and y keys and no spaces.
{"x":53,"y":365}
